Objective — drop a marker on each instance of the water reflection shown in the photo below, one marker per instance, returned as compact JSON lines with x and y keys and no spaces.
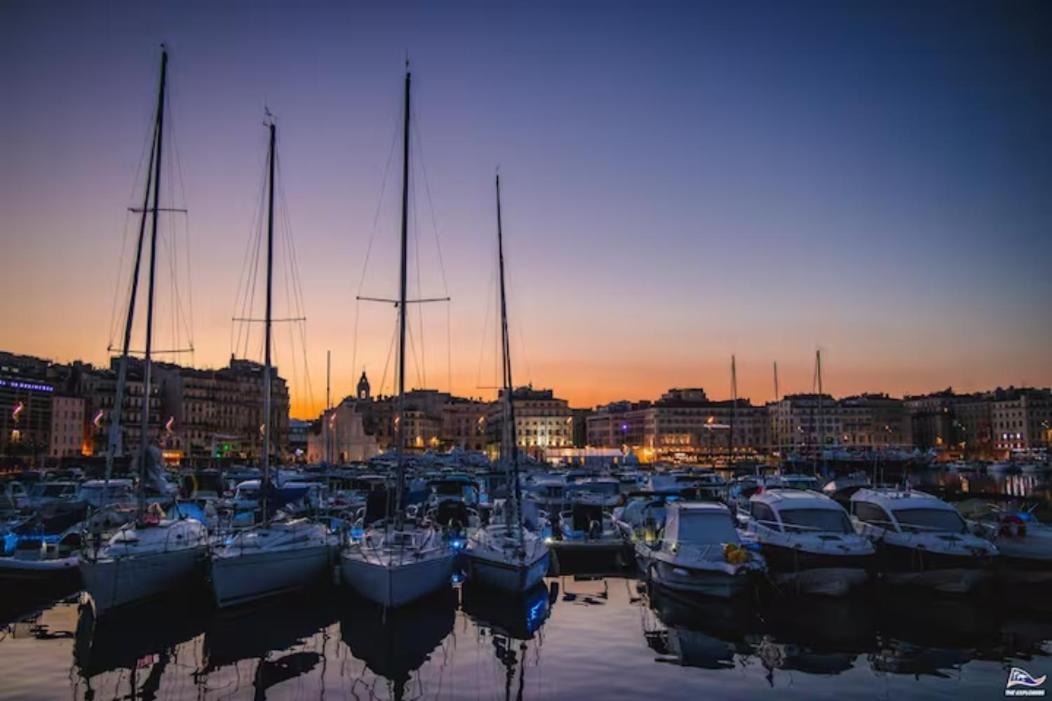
{"x":511,"y":623}
{"x":396,"y":643}
{"x":558,"y":638}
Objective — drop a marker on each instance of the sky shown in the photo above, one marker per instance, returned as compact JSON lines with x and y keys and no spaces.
{"x":682,"y":182}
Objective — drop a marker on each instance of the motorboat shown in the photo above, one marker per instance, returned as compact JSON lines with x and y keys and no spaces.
{"x":809,"y":542}
{"x":922,"y":541}
{"x":1024,"y":543}
{"x":588,"y":527}
{"x":698,"y":551}
{"x":44,"y":550}
{"x":641,"y":517}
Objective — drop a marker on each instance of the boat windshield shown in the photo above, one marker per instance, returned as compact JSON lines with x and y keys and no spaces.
{"x":602,"y":488}
{"x":706,"y":529}
{"x":815,"y":520}
{"x":917,"y":520}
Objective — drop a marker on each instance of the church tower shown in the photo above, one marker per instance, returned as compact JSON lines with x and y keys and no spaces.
{"x":363,"y":387}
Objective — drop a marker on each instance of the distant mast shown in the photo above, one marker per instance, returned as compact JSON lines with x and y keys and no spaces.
{"x":820,"y":428}
{"x":734,"y":411}
{"x":508,"y":437}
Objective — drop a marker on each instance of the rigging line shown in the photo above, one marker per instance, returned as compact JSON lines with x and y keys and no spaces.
{"x":258,"y":234}
{"x":379,"y":204}
{"x":422,"y":369}
{"x":149,"y":137}
{"x":449,"y":348}
{"x":296,"y":287}
{"x":242,"y":301}
{"x":430,"y":203}
{"x":186,"y":224}
{"x":485,"y":329}
{"x":387,"y":362}
{"x":412,"y":353}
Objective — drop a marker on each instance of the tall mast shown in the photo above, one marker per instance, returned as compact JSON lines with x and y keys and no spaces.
{"x":148,"y":349}
{"x":267,"y":322}
{"x":115,"y":439}
{"x":820,"y":428}
{"x":400,"y":437}
{"x":777,"y":396}
{"x":508,"y":435}
{"x":734,"y":410}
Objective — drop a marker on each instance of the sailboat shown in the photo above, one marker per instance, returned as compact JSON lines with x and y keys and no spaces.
{"x":398,"y":561}
{"x":154,"y":555}
{"x":506,"y":555}
{"x":279,"y":556}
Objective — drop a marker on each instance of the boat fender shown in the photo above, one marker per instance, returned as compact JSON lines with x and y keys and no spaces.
{"x":1012,"y":527}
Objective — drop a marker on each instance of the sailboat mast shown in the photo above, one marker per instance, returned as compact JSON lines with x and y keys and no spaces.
{"x":777,"y":396}
{"x":267,"y":323}
{"x":734,"y":411}
{"x":148,"y":348}
{"x":400,"y":437}
{"x":116,"y":437}
{"x":821,"y":427}
{"x":509,"y":405}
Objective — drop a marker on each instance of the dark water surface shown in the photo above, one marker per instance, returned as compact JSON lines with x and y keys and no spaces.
{"x":573,"y":638}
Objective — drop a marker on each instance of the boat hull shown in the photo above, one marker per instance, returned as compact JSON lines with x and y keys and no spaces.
{"x":396,"y":585}
{"x":823,"y":574}
{"x":64,"y":571}
{"x":689,"y":580}
{"x":949,"y":574}
{"x":239,"y":579}
{"x":497,"y":573}
{"x":115,"y":582}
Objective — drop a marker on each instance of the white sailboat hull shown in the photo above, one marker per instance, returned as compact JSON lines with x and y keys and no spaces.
{"x":114,"y":582}
{"x":395,"y":584}
{"x":241,"y":578}
{"x":493,"y":570}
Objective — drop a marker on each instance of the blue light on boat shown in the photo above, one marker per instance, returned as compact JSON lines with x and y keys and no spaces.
{"x":457,"y":543}
{"x":457,"y":578}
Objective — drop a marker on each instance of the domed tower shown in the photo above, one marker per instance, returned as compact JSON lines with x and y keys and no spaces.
{"x":363,"y":387}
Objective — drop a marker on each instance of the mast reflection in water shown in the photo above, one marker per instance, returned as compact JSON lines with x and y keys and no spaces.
{"x":573,"y":636}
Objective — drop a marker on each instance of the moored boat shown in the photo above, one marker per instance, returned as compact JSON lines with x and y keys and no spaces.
{"x":699,"y":551}
{"x":809,"y":542}
{"x":922,"y":541}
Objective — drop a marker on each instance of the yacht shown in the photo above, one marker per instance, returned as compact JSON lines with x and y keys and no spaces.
{"x":152,"y":554}
{"x":809,"y":542}
{"x":398,"y":560}
{"x":1024,"y":543}
{"x":922,"y":541}
{"x":698,"y":551}
{"x":506,"y":554}
{"x":275,"y":556}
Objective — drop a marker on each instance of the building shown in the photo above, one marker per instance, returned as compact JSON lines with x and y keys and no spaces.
{"x":219,"y":413}
{"x":1021,"y":419}
{"x":542,"y":421}
{"x":800,"y":423}
{"x":874,"y":421}
{"x":684,"y":424}
{"x":464,"y":424}
{"x":340,"y":436}
{"x":67,"y":430}
{"x":25,"y":415}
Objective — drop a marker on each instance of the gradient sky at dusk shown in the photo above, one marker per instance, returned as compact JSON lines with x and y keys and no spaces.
{"x":682,"y":181}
